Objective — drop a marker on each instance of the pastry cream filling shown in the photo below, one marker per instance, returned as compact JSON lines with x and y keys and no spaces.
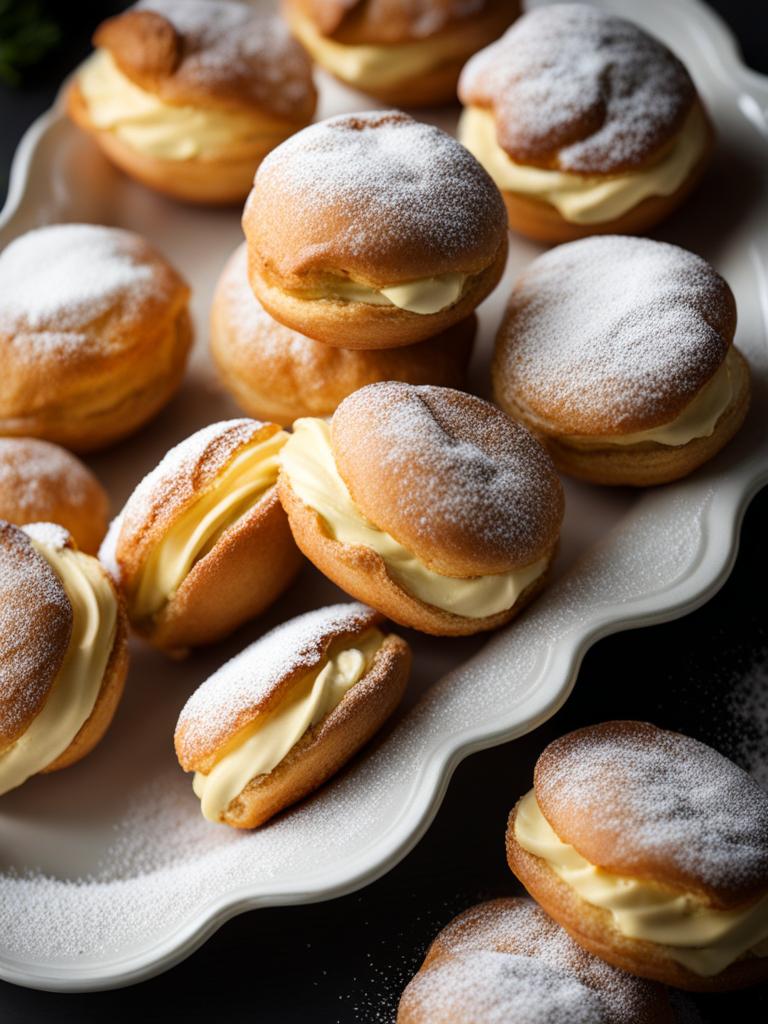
{"x":236,"y":490}
{"x":585,"y":199}
{"x":307,"y":460}
{"x":427,"y":295}
{"x":704,"y":940}
{"x":76,"y":687}
{"x":157,"y":129}
{"x":260,"y":747}
{"x":698,"y":418}
{"x":369,"y":66}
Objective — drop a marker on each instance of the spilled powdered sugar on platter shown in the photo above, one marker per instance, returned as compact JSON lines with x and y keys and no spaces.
{"x":108,"y":872}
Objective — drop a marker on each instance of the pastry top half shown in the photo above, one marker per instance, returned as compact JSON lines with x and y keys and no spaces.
{"x":450,"y":476}
{"x":35,"y":629}
{"x":212,"y":54}
{"x":77,"y":302}
{"x":392,"y":21}
{"x":261,"y":679}
{"x":612,"y":335}
{"x":576,"y":89}
{"x":506,"y":960}
{"x":642,"y":802}
{"x":375,"y":198}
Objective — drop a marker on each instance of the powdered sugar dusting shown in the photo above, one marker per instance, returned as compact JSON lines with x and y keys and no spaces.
{"x":227,"y":41}
{"x":241,"y":686}
{"x":573,"y":84}
{"x":496,"y":988}
{"x":50,"y":534}
{"x":31,"y":469}
{"x":613,"y":333}
{"x":35,"y":615}
{"x":65,"y":276}
{"x":178,"y":477}
{"x":399,"y":184}
{"x":661,"y":798}
{"x":451,"y":464}
{"x":507,"y":960}
{"x":746,"y":722}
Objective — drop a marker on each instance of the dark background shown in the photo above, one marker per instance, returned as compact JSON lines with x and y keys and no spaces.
{"x":347,"y":960}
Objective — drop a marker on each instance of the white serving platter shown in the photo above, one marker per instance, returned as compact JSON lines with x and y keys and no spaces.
{"x":108,"y":873}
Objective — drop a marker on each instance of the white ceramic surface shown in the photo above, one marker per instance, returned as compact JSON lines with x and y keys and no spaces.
{"x":108,"y":874}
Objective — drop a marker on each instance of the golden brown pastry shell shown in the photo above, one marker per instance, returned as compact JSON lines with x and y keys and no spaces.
{"x":362,"y":573}
{"x":371,"y":428}
{"x":592,"y":927}
{"x":46,"y":399}
{"x":327,"y":746}
{"x":490,"y":926}
{"x":84,"y":515}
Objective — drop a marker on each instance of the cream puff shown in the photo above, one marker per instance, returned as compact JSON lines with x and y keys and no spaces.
{"x":42,"y":483}
{"x":203,"y":544}
{"x":63,"y":652}
{"x":586,"y":123}
{"x":373,"y":231}
{"x":275,"y":373}
{"x":406,"y":55}
{"x":280,"y":718}
{"x":617,"y":352}
{"x":505,"y":960}
{"x":651,"y":849}
{"x":429,"y":504}
{"x":94,"y":334}
{"x":188,"y":97}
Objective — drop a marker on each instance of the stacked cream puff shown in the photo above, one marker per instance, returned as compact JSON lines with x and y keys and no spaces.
{"x":370,"y":241}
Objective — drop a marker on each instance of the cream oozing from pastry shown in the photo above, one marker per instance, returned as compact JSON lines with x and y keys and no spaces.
{"x":698,"y":419}
{"x":699,"y":937}
{"x":157,"y":129}
{"x":76,"y":688}
{"x":425,"y":296}
{"x":368,"y":66}
{"x":585,"y":199}
{"x":262,"y":745}
{"x":308,"y":462}
{"x":241,"y":485}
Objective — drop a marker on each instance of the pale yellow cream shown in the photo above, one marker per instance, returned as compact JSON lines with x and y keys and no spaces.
{"x":156,"y":129}
{"x":704,"y":940}
{"x":373,"y":67}
{"x":307,"y":460}
{"x":236,"y":490}
{"x":265,"y":743}
{"x":425,"y":296}
{"x":585,"y":199}
{"x":698,"y":418}
{"x":76,"y":687}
